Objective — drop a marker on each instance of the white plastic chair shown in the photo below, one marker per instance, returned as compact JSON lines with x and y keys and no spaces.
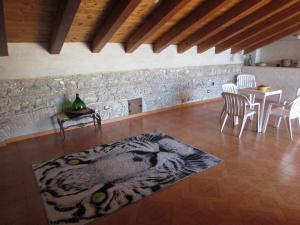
{"x":245,"y":81}
{"x":277,"y":124}
{"x":287,"y":112}
{"x":239,"y":106}
{"x":230,"y":88}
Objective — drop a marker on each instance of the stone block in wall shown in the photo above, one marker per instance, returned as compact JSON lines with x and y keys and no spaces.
{"x":3,"y":135}
{"x":38,"y":87}
{"x":107,"y":94}
{"x":5,"y":128}
{"x":116,"y":108}
{"x":4,"y":106}
{"x":15,"y":88}
{"x":153,"y":103}
{"x":3,"y":89}
{"x":56,"y":85}
{"x":40,"y":102}
{"x":70,"y":84}
{"x":88,"y":96}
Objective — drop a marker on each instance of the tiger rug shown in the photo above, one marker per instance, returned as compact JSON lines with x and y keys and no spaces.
{"x":81,"y":187}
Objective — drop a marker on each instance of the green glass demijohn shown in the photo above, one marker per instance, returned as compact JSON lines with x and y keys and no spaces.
{"x":66,"y":104}
{"x":78,"y":104}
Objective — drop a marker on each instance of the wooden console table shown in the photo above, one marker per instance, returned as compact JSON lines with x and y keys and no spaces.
{"x":73,"y":117}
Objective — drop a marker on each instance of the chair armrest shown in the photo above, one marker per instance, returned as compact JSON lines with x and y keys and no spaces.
{"x":255,"y":104}
{"x":278,"y":104}
{"x":283,"y":105}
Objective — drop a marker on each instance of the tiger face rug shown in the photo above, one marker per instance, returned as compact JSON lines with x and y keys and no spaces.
{"x":81,"y":187}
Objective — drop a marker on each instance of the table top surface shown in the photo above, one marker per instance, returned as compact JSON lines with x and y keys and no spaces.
{"x":271,"y":91}
{"x":71,"y":115}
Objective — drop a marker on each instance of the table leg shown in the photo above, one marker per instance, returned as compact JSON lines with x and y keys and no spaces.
{"x":94,"y":119}
{"x":99,"y":120}
{"x":279,"y":97}
{"x":262,"y":113}
{"x":61,"y":127}
{"x":251,"y":99}
{"x":278,"y":121}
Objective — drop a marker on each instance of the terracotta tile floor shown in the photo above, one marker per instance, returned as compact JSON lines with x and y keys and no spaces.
{"x":257,"y":184}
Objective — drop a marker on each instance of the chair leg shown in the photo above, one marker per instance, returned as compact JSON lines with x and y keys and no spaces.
{"x":242,"y":126}
{"x":250,"y":98}
{"x":235,"y":120}
{"x":224,"y":121}
{"x":221,"y":116}
{"x":258,"y":125}
{"x":251,"y":106}
{"x":277,"y":122}
{"x":266,"y":120}
{"x":289,"y":126}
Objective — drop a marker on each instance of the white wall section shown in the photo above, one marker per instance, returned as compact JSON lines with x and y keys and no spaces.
{"x":282,"y":49}
{"x":28,"y":60}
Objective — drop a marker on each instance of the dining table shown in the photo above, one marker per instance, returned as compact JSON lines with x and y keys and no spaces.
{"x":254,"y":91}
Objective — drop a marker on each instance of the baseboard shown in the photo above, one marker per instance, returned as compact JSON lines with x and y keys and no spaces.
{"x":33,"y":135}
{"x":3,"y":143}
{"x":48,"y":132}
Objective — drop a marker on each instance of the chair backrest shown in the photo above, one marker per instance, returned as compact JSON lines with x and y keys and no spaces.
{"x":235,"y":104}
{"x":230,"y":88}
{"x":245,"y":81}
{"x":295,"y":108}
{"x":298,"y":92}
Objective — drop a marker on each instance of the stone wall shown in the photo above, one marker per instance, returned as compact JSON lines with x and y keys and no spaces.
{"x":25,"y":101}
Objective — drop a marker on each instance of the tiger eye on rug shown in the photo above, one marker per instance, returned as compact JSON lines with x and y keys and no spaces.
{"x":81,"y":187}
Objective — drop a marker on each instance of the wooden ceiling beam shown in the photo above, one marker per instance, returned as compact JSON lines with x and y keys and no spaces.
{"x":261,"y":26}
{"x":120,"y":12}
{"x":281,"y":34}
{"x":250,"y":20}
{"x":65,"y":17}
{"x":160,"y":15}
{"x":3,"y":39}
{"x":201,"y":12}
{"x":216,"y":25}
{"x":264,"y":35}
